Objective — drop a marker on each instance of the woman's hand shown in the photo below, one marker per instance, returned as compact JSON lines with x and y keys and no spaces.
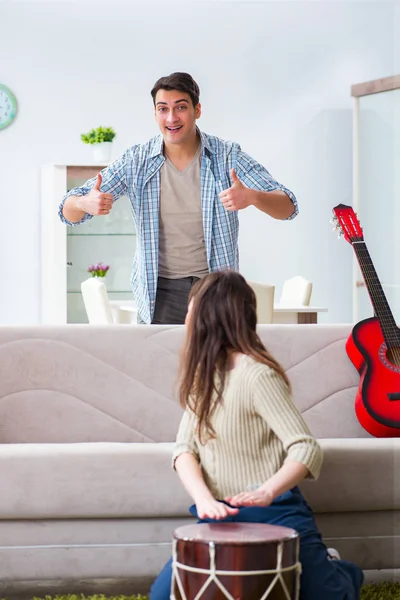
{"x":257,"y":497}
{"x":209,"y":508}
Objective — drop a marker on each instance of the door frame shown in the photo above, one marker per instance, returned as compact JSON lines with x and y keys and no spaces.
{"x":358,"y":90}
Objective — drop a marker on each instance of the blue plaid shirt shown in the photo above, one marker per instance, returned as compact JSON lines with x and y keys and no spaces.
{"x":137,"y":175}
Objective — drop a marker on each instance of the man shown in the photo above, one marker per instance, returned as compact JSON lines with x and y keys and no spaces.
{"x":186,"y":188}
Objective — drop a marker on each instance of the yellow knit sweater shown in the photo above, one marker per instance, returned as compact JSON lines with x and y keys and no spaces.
{"x":257,"y":427}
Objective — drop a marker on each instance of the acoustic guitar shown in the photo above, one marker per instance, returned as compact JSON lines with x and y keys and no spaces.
{"x":374,"y":344}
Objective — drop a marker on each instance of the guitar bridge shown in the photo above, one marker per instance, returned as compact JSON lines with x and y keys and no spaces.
{"x":394,"y":396}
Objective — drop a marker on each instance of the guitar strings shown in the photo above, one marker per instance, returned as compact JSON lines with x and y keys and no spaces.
{"x":379,"y":301}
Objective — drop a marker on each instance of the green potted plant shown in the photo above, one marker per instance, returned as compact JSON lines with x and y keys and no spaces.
{"x":101,"y":139}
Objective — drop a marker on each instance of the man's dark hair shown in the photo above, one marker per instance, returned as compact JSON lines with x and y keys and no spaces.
{"x":183,"y":82}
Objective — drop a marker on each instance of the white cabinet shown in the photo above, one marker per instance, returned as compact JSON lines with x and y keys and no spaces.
{"x":67,"y":252}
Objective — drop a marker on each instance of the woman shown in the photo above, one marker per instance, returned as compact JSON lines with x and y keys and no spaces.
{"x":242,"y":447}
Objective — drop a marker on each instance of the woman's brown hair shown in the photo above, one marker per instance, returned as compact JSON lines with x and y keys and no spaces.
{"x":222,"y":320}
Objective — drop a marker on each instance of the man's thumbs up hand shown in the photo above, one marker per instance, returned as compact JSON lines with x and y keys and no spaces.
{"x":96,"y":202}
{"x":235,"y":178}
{"x":98,"y":182}
{"x":237,"y":196}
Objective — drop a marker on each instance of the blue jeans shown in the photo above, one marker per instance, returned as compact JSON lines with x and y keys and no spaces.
{"x":321,"y":578}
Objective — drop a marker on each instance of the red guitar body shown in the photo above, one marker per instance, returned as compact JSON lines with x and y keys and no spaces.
{"x":377,"y":402}
{"x":374,"y":344}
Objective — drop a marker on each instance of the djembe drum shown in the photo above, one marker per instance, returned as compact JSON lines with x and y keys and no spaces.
{"x":238,"y":561}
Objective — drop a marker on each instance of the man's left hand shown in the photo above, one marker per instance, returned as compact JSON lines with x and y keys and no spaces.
{"x":237,"y":196}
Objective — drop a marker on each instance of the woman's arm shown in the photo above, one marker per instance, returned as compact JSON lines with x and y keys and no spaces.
{"x":186,"y":461}
{"x":191,"y":476}
{"x":272,"y":401}
{"x":289,"y":475}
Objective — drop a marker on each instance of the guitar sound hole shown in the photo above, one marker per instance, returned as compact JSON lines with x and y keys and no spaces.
{"x":393,"y":356}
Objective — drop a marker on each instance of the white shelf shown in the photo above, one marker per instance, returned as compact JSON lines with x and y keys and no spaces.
{"x":110,"y":239}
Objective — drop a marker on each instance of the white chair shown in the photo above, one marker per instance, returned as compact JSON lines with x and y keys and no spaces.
{"x":265,"y":294}
{"x":296,"y":292}
{"x":97,"y":305}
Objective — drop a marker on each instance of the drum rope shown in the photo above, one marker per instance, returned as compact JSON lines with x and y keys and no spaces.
{"x":213,"y":574}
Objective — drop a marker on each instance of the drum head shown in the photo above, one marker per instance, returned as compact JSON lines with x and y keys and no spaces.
{"x":234,"y":533}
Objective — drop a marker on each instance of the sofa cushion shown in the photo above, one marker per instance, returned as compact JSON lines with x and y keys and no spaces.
{"x":113,"y":480}
{"x":91,"y":383}
{"x":357,"y":475}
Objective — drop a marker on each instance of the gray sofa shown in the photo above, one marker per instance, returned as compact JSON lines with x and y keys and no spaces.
{"x":88,"y":416}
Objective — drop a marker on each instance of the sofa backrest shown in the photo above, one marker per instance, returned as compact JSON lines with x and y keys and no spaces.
{"x":86,"y":383}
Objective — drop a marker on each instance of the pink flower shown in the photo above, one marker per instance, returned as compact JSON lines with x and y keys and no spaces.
{"x":99,"y":270}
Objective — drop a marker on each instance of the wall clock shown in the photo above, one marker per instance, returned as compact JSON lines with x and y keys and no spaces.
{"x":8,"y":106}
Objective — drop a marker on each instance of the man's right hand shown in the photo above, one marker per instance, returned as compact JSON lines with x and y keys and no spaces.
{"x":96,"y":202}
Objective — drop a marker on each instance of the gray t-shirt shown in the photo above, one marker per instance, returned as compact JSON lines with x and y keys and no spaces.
{"x":182,"y":251}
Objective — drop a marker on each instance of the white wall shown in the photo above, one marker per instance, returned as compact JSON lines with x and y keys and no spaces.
{"x":274,"y":76}
{"x":396,"y":29}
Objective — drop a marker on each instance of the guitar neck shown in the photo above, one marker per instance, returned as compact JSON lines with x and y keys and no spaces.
{"x":377,"y":295}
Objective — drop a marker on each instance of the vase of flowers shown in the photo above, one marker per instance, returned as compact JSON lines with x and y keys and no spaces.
{"x":99,"y":270}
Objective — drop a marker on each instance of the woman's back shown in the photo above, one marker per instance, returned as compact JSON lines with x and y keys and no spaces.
{"x":255,"y":424}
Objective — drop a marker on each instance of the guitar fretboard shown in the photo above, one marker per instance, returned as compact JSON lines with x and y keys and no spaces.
{"x":381,"y":306}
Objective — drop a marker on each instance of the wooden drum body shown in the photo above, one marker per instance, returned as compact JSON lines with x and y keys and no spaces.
{"x":235,"y":561}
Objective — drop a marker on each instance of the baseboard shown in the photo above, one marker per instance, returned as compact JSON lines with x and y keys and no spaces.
{"x":375,"y":576}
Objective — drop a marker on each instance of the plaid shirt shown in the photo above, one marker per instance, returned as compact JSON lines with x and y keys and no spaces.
{"x":137,"y":175}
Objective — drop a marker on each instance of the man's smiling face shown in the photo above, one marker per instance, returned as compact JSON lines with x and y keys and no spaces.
{"x":176,"y":116}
